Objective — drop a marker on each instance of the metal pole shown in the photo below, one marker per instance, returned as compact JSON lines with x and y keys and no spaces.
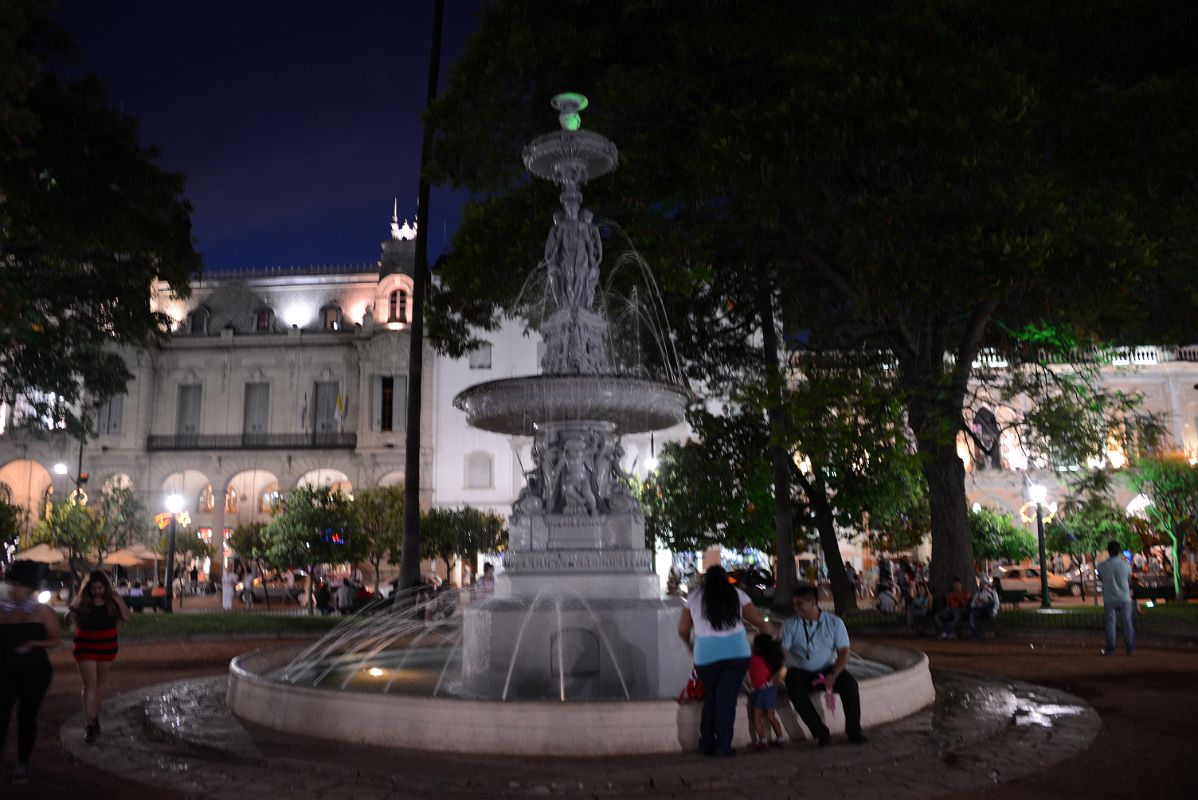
{"x":170,"y":567}
{"x":1044,"y":601}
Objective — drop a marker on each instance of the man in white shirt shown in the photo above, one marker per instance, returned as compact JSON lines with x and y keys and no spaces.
{"x":816,"y":644}
{"x":1116,"y":598}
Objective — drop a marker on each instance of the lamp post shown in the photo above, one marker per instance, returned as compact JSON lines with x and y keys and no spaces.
{"x":174,"y":504}
{"x":1038,"y":495}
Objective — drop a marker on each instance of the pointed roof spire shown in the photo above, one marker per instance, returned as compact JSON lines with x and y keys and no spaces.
{"x":395,"y":234}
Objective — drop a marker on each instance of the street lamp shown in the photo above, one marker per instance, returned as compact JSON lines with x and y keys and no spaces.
{"x":174,"y":504}
{"x":60,"y":468}
{"x":1039,"y":495}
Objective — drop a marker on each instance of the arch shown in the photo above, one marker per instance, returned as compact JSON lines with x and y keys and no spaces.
{"x":335,"y":479}
{"x":193,"y":486}
{"x":330,"y":317}
{"x":27,"y":483}
{"x":251,"y":495}
{"x":392,"y":478}
{"x":386,"y":300}
{"x":118,"y":480}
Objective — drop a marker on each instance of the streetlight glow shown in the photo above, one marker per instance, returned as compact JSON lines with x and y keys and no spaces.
{"x":174,"y":503}
{"x":1138,"y":505}
{"x":1037,"y":494}
{"x":60,"y":468}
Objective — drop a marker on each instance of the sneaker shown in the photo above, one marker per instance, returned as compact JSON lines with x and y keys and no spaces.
{"x":857,"y":739}
{"x":20,"y":775}
{"x":1106,"y":652}
{"x":89,"y":733}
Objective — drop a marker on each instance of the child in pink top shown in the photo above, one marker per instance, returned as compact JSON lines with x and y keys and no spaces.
{"x":764,"y":664}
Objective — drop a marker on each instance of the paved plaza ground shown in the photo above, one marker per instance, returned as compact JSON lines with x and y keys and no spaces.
{"x":1140,"y":749}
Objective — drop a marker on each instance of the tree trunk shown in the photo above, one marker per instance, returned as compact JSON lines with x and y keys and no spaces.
{"x":784,"y":548}
{"x":843,"y":595}
{"x":952,"y":549}
{"x":265,"y":588}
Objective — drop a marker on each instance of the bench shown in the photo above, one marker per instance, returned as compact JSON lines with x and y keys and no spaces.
{"x":139,"y":604}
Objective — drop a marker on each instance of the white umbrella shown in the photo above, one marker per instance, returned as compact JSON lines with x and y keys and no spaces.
{"x":125,"y":557}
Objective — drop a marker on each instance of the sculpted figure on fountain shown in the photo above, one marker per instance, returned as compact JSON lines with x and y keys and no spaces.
{"x":574,"y":467}
{"x":572,"y":255}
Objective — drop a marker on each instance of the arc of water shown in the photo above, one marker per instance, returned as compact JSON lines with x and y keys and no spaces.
{"x":456,"y":649}
{"x":358,"y":624}
{"x":561,"y":662}
{"x":387,"y":640}
{"x":520,"y":637}
{"x":408,"y":654}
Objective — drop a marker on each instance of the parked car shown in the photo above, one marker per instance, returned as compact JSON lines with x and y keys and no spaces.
{"x":1154,"y":585}
{"x":756,"y":582}
{"x":1083,"y":577}
{"x":1028,"y":579}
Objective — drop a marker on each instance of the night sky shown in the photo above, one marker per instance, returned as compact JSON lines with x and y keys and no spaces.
{"x":296,"y":123}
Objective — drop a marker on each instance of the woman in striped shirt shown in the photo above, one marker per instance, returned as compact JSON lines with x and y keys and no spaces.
{"x":95,"y":613}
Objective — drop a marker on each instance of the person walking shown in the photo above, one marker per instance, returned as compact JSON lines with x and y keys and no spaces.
{"x":1117,"y":602}
{"x":816,"y":644}
{"x":95,"y":613}
{"x":27,"y":630}
{"x":228,"y":580}
{"x":716,"y":614}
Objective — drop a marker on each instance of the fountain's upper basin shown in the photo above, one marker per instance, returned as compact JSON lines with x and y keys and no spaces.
{"x":514,"y":406}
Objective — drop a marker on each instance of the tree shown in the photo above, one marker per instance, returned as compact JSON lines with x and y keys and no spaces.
{"x":12,"y":522}
{"x":249,"y":541}
{"x":88,"y":221}
{"x":313,"y":526}
{"x":923,"y":180}
{"x":450,"y":532}
{"x":378,"y":521}
{"x":1087,"y":522}
{"x":77,"y":528}
{"x":125,"y":518}
{"x":997,"y":537}
{"x":1170,"y":483}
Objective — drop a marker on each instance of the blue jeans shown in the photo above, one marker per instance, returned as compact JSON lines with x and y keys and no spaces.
{"x":1124,"y":612}
{"x":721,"y":687}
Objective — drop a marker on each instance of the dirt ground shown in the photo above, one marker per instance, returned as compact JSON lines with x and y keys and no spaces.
{"x":1148,"y":704}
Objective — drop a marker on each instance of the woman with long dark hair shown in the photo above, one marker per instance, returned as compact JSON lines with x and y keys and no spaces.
{"x":715,"y":614}
{"x":95,"y":613}
{"x":27,"y":630}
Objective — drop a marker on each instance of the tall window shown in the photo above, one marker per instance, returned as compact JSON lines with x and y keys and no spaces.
{"x":188,"y":419}
{"x":480,"y":357}
{"x":257,"y":409}
{"x":397,"y":306}
{"x":109,"y":418}
{"x":325,"y":418}
{"x":389,"y":406}
{"x":330,"y":318}
{"x":263,"y":318}
{"x":478,"y":471}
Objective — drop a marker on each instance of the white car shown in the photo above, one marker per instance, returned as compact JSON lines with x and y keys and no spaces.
{"x":1028,"y":579}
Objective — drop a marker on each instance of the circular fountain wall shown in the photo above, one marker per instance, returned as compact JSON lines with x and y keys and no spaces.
{"x":418,"y":721}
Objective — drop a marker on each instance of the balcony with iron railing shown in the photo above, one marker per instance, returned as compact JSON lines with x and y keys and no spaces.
{"x":254,"y":441}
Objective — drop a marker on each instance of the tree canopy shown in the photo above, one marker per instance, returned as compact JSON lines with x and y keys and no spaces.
{"x":88,"y":223}
{"x":314,"y":525}
{"x":931,"y":181}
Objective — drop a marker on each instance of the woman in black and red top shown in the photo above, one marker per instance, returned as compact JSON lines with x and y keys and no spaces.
{"x":95,"y":613}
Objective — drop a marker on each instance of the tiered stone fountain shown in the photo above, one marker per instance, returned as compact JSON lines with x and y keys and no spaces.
{"x":578,"y":615}
{"x":577,"y":559}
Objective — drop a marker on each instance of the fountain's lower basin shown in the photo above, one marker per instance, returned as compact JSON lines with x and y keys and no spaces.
{"x":419,"y":721}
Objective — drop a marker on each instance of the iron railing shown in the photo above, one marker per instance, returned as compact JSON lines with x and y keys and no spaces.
{"x":254,"y":441}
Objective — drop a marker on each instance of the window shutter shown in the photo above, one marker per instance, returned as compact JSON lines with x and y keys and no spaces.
{"x":102,"y":418}
{"x":376,"y":402}
{"x":116,"y":409}
{"x":399,"y":404}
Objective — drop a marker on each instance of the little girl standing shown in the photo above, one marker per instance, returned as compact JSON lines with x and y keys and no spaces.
{"x":765,"y":662}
